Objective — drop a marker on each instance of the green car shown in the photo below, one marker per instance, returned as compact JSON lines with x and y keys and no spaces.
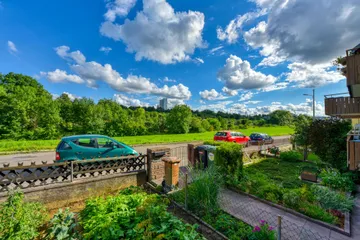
{"x":84,"y":147}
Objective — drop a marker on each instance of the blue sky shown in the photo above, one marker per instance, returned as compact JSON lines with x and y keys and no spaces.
{"x":248,"y":57}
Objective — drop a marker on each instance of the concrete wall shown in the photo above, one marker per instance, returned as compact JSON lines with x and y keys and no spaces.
{"x":63,"y":194}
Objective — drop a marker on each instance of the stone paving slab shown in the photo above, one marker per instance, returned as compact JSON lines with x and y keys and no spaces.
{"x":252,"y":211}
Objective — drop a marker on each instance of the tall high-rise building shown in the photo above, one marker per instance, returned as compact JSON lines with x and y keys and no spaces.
{"x":164,"y":104}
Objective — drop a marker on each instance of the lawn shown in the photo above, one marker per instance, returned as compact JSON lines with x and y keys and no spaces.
{"x":37,"y":145}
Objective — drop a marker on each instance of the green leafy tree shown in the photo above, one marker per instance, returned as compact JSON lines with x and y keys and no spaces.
{"x":179,"y":119}
{"x":206,"y":125}
{"x":281,"y":117}
{"x":196,"y":126}
{"x":302,"y":132}
{"x":215,"y":124}
{"x":328,"y":141}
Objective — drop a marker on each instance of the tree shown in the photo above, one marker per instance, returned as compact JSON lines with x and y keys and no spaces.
{"x":27,"y":110}
{"x":328,"y":141}
{"x":179,"y":119}
{"x":206,"y":125}
{"x":215,"y":124}
{"x":196,"y":126}
{"x":281,"y":117}
{"x":302,"y":132}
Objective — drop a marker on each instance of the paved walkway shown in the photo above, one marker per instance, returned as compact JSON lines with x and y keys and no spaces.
{"x":252,"y":211}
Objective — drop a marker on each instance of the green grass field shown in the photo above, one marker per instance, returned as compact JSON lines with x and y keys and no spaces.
{"x":8,"y":146}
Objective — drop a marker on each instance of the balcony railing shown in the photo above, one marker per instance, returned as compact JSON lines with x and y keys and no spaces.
{"x":345,"y":107}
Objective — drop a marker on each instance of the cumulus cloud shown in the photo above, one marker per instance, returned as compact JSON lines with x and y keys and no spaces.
{"x":252,"y":102}
{"x":232,"y":31}
{"x":106,"y":50}
{"x":229,"y":92}
{"x":129,"y":102}
{"x":308,"y":75}
{"x":238,"y":74}
{"x":243,"y":109}
{"x":118,"y":8}
{"x":93,"y":72}
{"x":211,"y":95}
{"x":59,"y":76}
{"x":159,"y":33}
{"x":166,"y":79}
{"x":318,"y":32}
{"x":246,"y":96}
{"x":12,"y":47}
{"x":77,"y":56}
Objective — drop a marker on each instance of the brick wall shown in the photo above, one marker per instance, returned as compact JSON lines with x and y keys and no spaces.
{"x":157,"y":170}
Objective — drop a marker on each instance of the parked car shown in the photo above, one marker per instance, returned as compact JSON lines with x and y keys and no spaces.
{"x":229,"y":136}
{"x":260,"y":138}
{"x":83,"y":147}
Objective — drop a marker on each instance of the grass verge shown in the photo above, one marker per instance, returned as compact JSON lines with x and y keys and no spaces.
{"x":8,"y":146}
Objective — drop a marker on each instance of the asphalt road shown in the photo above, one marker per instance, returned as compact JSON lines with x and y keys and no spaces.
{"x":49,"y":156}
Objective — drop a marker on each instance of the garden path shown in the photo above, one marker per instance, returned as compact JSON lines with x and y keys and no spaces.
{"x":252,"y":211}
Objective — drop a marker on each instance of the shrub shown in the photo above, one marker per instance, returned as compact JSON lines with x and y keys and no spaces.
{"x":330,"y":199}
{"x":231,"y":227}
{"x":271,"y":192}
{"x":62,"y":226}
{"x":317,"y":212}
{"x":214,"y":143}
{"x":334,"y":179}
{"x":290,"y":156}
{"x":292,"y":198}
{"x":229,"y":159}
{"x":20,"y":220}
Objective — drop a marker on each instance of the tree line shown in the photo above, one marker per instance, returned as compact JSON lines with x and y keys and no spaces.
{"x":28,"y":111}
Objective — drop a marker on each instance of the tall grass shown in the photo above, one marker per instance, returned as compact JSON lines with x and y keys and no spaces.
{"x":36,"y":145}
{"x":203,"y":191}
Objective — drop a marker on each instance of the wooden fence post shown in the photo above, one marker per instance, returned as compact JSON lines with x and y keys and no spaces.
{"x":279,"y":228}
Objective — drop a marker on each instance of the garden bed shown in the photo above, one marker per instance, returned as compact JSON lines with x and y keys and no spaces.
{"x":279,"y":182}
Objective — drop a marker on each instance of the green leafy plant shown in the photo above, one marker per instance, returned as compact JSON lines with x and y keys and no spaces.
{"x":229,"y":159}
{"x":292,"y":198}
{"x":263,"y":232}
{"x":231,"y":227}
{"x":290,"y":156}
{"x":63,"y":226}
{"x":330,"y":199}
{"x":317,"y":212}
{"x":334,"y":179}
{"x":20,"y":220}
{"x":133,"y":214}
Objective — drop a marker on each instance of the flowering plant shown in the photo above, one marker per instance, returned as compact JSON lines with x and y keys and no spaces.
{"x":263,"y":232}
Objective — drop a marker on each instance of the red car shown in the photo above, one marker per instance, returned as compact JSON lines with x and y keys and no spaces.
{"x":229,"y":136}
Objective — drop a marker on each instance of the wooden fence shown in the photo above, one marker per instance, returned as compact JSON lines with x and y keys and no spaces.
{"x":343,"y":107}
{"x":39,"y":175}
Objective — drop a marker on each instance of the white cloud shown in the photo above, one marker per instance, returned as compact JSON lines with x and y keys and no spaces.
{"x":129,"y":102}
{"x":246,"y":96}
{"x":238,"y":74}
{"x":11,"y":47}
{"x":219,"y":106}
{"x":199,"y":60}
{"x":77,"y":56}
{"x":211,"y":95}
{"x":166,"y":79}
{"x":173,"y":102}
{"x":106,"y":50}
{"x":59,"y":76}
{"x":72,"y":97}
{"x":276,"y":103}
{"x":252,"y":102}
{"x":232,"y":31}
{"x":308,"y":75}
{"x":159,"y":33}
{"x":92,"y":72}
{"x":215,"y":50}
{"x":275,"y":86}
{"x":118,"y":8}
{"x":318,"y":32}
{"x":229,"y":92}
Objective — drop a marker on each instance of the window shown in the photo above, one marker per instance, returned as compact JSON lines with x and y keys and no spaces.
{"x":64,"y":146}
{"x":85,"y":142}
{"x":107,"y":143}
{"x":234,"y":134}
{"x":221,"y":134}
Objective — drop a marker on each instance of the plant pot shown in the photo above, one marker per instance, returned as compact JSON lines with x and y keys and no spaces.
{"x":309,"y":176}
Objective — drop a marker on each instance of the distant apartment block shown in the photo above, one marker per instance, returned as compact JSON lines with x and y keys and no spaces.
{"x":164,"y":104}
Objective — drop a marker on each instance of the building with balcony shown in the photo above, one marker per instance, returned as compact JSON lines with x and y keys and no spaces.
{"x":347,"y":105}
